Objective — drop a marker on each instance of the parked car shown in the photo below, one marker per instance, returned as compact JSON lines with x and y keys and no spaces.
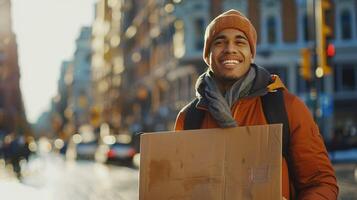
{"x":121,"y":151}
{"x":86,"y":150}
{"x":86,"y":142}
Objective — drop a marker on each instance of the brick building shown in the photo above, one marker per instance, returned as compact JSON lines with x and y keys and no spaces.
{"x":12,"y":113}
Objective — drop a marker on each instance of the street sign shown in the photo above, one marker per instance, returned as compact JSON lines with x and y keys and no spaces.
{"x":326,"y":104}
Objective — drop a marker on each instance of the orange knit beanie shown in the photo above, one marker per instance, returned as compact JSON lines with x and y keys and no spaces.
{"x":229,"y":19}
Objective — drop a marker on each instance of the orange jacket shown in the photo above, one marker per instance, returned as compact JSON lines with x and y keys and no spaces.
{"x":311,"y":167}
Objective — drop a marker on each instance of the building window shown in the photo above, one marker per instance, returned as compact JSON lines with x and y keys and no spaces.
{"x":345,"y":78}
{"x":240,"y":5}
{"x":270,"y":3}
{"x":199,"y":32}
{"x":348,"y":78}
{"x":88,"y":58}
{"x":198,"y":6}
{"x":307,"y":36}
{"x":271,"y":27}
{"x":346,"y":25}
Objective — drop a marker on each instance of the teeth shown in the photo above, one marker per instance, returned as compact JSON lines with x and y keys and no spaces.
{"x":230,"y":62}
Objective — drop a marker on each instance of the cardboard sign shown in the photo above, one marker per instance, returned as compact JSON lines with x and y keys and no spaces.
{"x":212,"y":164}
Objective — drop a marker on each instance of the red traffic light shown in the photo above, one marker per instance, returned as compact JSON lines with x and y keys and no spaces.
{"x":330,"y":50}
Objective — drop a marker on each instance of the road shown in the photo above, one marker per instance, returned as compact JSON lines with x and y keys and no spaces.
{"x":347,"y":180}
{"x":50,"y":177}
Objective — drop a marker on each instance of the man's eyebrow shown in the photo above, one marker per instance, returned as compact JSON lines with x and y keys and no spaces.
{"x":241,"y":37}
{"x":220,"y":37}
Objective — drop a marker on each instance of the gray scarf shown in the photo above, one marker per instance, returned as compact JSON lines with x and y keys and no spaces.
{"x":252,"y":84}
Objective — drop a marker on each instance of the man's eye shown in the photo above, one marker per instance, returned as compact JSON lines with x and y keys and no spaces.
{"x":239,"y":42}
{"x":218,"y":42}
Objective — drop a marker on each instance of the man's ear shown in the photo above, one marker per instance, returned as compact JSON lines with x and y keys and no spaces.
{"x":209,"y":58}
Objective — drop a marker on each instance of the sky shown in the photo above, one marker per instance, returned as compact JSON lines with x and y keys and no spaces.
{"x":46,"y":31}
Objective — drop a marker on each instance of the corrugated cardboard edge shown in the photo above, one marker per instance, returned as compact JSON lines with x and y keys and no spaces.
{"x":143,"y":167}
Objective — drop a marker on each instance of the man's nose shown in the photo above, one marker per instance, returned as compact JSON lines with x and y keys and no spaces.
{"x":230,"y":48}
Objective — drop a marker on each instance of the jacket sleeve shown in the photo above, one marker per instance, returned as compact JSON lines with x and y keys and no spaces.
{"x":311,"y":168}
{"x":180,"y":120}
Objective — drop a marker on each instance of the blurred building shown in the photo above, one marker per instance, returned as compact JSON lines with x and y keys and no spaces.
{"x":12,"y":112}
{"x":107,"y":64}
{"x":60,"y":117}
{"x":149,"y":58}
{"x":43,"y":126}
{"x":71,"y":107}
{"x":81,"y":98}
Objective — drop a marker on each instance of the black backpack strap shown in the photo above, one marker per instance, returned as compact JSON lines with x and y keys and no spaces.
{"x":275,"y":112}
{"x":194,"y":116}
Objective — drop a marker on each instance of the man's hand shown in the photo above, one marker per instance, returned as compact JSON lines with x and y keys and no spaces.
{"x":284,"y":198}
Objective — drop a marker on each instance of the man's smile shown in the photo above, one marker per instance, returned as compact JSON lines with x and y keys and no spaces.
{"x":230,"y":62}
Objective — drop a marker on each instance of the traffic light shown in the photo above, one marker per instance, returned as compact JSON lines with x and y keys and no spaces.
{"x":323,"y":32}
{"x":330,"y":53}
{"x":330,"y":50}
{"x":305,"y":64}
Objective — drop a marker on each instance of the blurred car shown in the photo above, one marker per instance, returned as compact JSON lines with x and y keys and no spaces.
{"x":86,"y":143}
{"x":121,"y":150}
{"x":86,"y":150}
{"x":121,"y":153}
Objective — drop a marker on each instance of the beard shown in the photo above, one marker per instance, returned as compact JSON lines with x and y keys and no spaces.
{"x":225,"y":79}
{"x":228,"y":78}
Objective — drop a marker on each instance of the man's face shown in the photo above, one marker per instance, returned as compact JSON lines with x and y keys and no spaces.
{"x":230,"y":56}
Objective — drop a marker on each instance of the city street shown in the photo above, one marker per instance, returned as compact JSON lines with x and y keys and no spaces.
{"x":87,"y":78}
{"x":51,"y":178}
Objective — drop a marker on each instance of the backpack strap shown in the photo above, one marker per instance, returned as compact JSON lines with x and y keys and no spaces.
{"x":275,"y":112}
{"x":194,"y":117}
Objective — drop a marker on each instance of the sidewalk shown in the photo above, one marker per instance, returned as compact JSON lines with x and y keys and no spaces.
{"x":6,"y":173}
{"x":347,"y":180}
{"x":12,"y":188}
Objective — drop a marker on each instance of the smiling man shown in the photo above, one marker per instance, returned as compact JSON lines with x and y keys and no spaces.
{"x":234,"y":92}
{"x":228,"y":62}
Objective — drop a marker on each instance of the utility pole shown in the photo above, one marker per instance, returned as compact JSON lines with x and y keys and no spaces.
{"x":320,"y":69}
{"x":309,"y":55}
{"x":323,"y":31}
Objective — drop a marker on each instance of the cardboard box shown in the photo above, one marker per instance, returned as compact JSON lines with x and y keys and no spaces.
{"x":212,"y":164}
